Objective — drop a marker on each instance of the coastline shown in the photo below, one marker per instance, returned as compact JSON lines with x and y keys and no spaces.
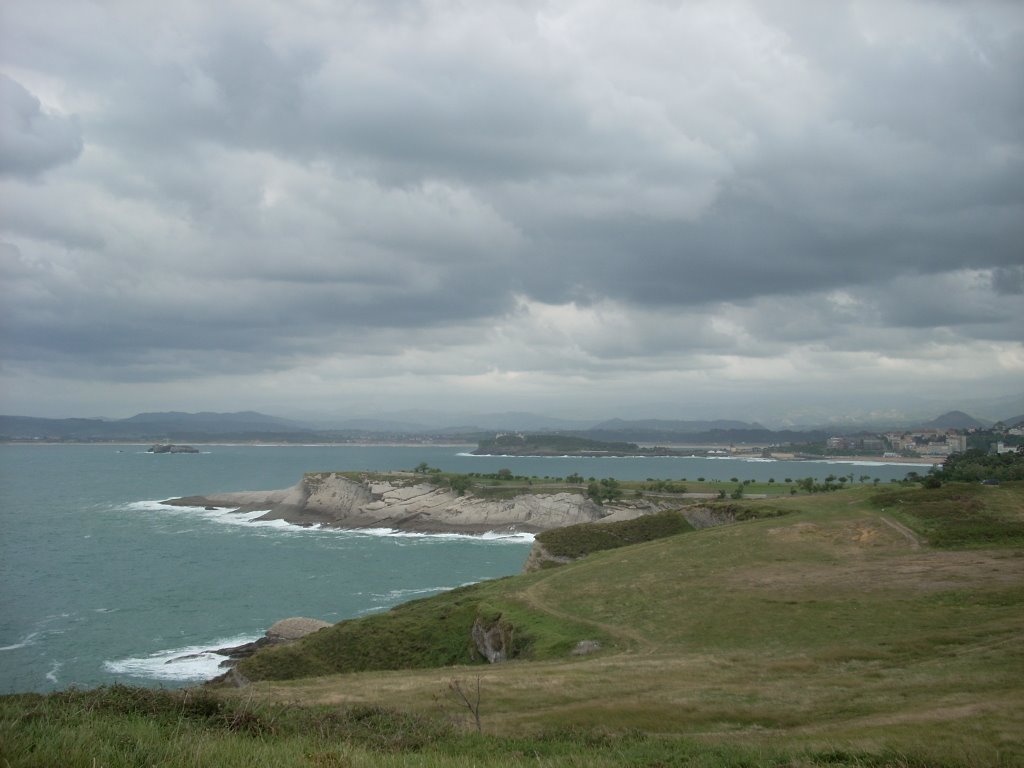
{"x":780,"y":456}
{"x":897,"y":460}
{"x":246,"y":443}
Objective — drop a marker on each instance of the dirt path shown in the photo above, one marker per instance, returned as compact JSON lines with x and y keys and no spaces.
{"x":909,"y":535}
{"x":627,"y":636}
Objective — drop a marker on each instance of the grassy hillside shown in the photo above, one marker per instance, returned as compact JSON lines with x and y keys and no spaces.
{"x":433,"y":632}
{"x":834,"y":635}
{"x":959,"y":515}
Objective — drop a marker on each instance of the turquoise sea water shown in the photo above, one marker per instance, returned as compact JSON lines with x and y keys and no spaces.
{"x":99,"y":583}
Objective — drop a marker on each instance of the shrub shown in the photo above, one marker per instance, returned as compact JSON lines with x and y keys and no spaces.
{"x":576,"y":541}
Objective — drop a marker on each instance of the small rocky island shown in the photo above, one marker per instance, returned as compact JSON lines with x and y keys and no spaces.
{"x":172,"y":448}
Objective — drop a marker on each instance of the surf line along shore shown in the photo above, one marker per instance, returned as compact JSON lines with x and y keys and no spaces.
{"x":413,"y":504}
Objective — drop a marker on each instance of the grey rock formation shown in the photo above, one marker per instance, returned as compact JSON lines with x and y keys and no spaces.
{"x":539,"y":556}
{"x":280,"y":633}
{"x":287,"y":630}
{"x":493,"y":640}
{"x":413,"y":504}
{"x":704,"y":517}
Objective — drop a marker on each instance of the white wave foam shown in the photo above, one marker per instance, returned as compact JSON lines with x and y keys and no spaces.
{"x":221,"y":515}
{"x":193,"y":662}
{"x":511,"y":537}
{"x":24,"y":643}
{"x":51,"y":676}
{"x":490,"y":537}
{"x":856,"y":463}
{"x":251,"y":519}
{"x":395,"y":594}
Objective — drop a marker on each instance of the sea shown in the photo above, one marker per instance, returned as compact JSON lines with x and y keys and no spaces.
{"x":101,"y":583}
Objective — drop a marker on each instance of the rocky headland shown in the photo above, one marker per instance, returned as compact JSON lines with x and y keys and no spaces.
{"x":412,"y":503}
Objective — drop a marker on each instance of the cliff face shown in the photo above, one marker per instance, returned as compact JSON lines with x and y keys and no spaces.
{"x":334,"y":500}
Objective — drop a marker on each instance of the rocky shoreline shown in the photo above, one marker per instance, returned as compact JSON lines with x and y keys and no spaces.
{"x":415,"y":505}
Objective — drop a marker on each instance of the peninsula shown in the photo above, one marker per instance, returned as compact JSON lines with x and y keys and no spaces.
{"x":413,"y":502}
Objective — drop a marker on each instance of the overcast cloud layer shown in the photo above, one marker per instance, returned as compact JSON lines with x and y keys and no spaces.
{"x":580,"y":208}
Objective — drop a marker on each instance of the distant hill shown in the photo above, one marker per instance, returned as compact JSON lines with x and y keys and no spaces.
{"x":717,"y":432}
{"x":667,"y":425}
{"x":152,"y":426}
{"x":207,"y":421}
{"x":377,"y":425}
{"x":31,"y":427}
{"x":954,"y":420}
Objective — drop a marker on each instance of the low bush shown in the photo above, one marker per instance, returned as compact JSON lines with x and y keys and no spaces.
{"x":577,"y":541}
{"x":953,"y":516}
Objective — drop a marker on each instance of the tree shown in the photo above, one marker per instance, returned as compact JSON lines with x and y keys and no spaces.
{"x":504,"y":474}
{"x":469,"y":701}
{"x":608,"y":489}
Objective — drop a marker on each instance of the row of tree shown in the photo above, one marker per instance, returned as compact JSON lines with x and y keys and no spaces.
{"x":975,"y":465}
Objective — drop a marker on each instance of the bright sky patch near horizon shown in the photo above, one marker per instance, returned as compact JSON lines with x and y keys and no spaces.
{"x":685,"y":209}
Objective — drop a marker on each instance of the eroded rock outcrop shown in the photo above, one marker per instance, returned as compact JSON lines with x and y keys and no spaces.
{"x":540,"y":558}
{"x":413,"y":504}
{"x":494,"y":638}
{"x":707,"y":517}
{"x":280,"y":633}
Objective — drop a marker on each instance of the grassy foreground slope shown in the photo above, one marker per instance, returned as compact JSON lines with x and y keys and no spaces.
{"x":835,"y":635}
{"x":836,"y":625}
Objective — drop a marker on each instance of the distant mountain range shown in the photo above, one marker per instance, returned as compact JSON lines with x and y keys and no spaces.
{"x":665,"y":425}
{"x":254,"y":426}
{"x":151,"y":426}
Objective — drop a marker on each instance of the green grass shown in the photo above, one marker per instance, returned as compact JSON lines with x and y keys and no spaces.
{"x":961,"y":515}
{"x":119,"y":727}
{"x":492,"y":487}
{"x":824,"y":637}
{"x":432,"y":632}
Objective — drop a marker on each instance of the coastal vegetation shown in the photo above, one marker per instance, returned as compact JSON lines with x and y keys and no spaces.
{"x":863,"y":627}
{"x":976,"y":465}
{"x":576,"y":541}
{"x":504,"y":484}
{"x":957,"y":515}
{"x":122,"y":727}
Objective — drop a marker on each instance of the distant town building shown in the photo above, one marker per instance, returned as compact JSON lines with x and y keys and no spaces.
{"x":957,"y":443}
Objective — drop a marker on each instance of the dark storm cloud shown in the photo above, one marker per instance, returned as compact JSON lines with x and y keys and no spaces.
{"x":1008,"y":280}
{"x":538,"y":187}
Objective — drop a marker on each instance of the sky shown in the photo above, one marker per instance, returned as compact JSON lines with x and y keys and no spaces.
{"x":677,"y":209}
